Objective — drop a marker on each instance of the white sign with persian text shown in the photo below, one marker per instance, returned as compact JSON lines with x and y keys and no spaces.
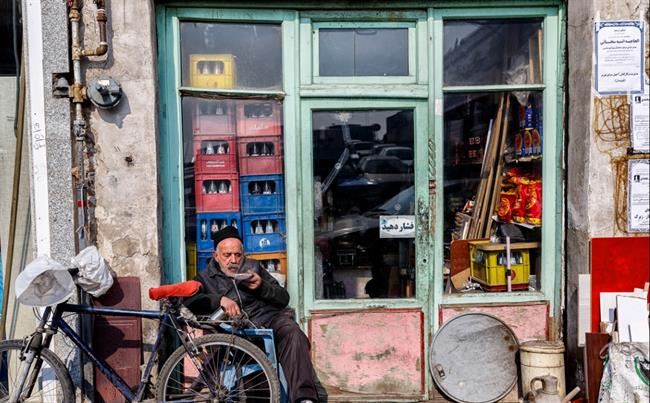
{"x":640,"y":122}
{"x":397,"y":226}
{"x":619,"y":57}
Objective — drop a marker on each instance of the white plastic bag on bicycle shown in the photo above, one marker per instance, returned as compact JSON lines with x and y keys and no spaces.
{"x":44,"y":282}
{"x":94,"y":276}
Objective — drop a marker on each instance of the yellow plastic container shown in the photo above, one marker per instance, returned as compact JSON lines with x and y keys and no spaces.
{"x":278,"y":258}
{"x":190,"y":260}
{"x":212,"y":71}
{"x":488,"y":264}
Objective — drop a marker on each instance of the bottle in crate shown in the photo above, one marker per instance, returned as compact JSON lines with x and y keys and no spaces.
{"x":212,"y":71}
{"x":214,"y":154}
{"x":214,"y":192}
{"x":259,"y":118}
{"x":262,"y":194}
{"x":264,"y":233}
{"x":260,"y":155}
{"x":210,"y":223}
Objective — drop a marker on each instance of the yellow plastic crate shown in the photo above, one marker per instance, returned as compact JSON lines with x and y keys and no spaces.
{"x":190,"y":260}
{"x":488,"y":264}
{"x":212,"y":71}
{"x":278,"y":258}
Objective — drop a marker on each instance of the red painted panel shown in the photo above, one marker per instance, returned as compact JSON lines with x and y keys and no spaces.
{"x":376,"y":353}
{"x":617,"y":264}
{"x":527,"y":321}
{"x":118,"y":340}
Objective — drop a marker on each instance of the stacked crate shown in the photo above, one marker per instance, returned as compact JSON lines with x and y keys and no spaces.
{"x":216,"y":176}
{"x":259,"y":143}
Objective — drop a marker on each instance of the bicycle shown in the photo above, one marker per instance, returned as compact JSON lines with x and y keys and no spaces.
{"x":217,"y":367}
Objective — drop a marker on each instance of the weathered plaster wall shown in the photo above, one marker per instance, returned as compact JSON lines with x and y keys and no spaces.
{"x":590,"y":182}
{"x":126,"y":156}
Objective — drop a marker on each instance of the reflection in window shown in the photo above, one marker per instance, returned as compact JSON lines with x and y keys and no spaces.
{"x":230,"y":55}
{"x":492,"y":52}
{"x":357,"y":184}
{"x":363,"y":52}
{"x":493,"y":189}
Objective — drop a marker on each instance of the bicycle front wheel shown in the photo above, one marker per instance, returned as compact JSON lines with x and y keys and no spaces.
{"x":47,"y":379}
{"x":223,"y":368}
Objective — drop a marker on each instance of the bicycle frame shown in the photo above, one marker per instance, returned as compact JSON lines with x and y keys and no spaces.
{"x":58,"y":323}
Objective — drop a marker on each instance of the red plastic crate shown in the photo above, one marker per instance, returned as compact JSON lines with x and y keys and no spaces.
{"x":215,"y":154}
{"x":214,"y":118}
{"x":259,"y":118}
{"x":260,"y":155}
{"x":215,"y":193}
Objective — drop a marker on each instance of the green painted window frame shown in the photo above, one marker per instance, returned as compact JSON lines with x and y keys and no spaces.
{"x":552,"y":209}
{"x":314,"y":85}
{"x":171,"y":165}
{"x":412,"y":45}
{"x":422,"y":240}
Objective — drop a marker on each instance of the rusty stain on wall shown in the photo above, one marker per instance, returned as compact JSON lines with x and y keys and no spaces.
{"x":369,"y":352}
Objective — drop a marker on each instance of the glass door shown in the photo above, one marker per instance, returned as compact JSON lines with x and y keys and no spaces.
{"x":362,"y":161}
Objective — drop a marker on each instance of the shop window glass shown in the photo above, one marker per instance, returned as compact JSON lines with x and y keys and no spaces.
{"x":364,"y":180}
{"x":492,"y":52}
{"x":493,"y":146}
{"x":231,"y":55}
{"x":233,"y":175}
{"x":347,"y":52}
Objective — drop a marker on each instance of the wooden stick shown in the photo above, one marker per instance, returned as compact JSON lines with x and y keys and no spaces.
{"x":498,"y":175}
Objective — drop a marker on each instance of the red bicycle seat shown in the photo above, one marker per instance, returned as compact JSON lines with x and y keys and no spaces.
{"x":184,"y":289}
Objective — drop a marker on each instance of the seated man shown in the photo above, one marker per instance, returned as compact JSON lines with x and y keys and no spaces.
{"x":262,"y":300}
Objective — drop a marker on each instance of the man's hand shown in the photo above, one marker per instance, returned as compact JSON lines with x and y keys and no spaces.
{"x":230,"y":307}
{"x":253,"y":282}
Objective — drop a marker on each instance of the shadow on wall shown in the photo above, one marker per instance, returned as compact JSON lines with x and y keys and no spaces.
{"x":117,"y":114}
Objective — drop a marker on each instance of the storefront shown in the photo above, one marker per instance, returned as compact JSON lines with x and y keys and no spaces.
{"x":368,"y":156}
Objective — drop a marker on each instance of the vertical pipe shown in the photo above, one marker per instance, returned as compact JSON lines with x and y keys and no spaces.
{"x":508,"y":265}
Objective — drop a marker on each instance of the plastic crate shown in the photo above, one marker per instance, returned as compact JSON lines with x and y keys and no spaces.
{"x":264,"y":233}
{"x":488,"y":264}
{"x":212,"y":71}
{"x":207,"y":224}
{"x":259,"y":118}
{"x":190,"y":260}
{"x":274,"y":263}
{"x":216,"y":117}
{"x":261,"y":194}
{"x":260,"y":155}
{"x":214,"y":154}
{"x":202,"y":259}
{"x":216,"y":193}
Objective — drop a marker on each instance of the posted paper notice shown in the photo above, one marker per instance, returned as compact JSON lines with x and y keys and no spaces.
{"x":638,"y":203}
{"x":639,"y":123}
{"x":619,"y":57}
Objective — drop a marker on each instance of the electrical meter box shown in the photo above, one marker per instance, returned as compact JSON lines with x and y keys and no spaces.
{"x":212,"y":71}
{"x":488,"y":264}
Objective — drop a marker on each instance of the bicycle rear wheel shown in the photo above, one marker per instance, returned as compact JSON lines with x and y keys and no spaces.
{"x":50,"y":379}
{"x":224,"y":368}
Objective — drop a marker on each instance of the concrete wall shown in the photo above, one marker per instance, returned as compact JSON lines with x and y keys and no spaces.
{"x":591,"y":181}
{"x":126,"y":153}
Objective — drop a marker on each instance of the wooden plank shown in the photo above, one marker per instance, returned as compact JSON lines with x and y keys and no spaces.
{"x":594,"y":342}
{"x":496,"y":183}
{"x":118,"y":340}
{"x":475,"y":228}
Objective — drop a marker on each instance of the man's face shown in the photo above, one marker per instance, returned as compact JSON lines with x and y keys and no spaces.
{"x":229,"y":255}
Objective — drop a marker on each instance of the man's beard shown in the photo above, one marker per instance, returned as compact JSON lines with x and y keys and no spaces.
{"x":231,"y":269}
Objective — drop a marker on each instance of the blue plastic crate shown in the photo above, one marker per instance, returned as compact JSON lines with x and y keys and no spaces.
{"x":264,"y":233}
{"x":261,"y":194}
{"x":202,"y":259}
{"x":208,"y":223}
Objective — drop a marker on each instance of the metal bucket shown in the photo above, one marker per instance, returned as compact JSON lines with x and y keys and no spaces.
{"x":539,"y":358}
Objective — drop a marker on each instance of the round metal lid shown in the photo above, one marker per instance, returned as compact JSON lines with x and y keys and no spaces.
{"x":472,"y":358}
